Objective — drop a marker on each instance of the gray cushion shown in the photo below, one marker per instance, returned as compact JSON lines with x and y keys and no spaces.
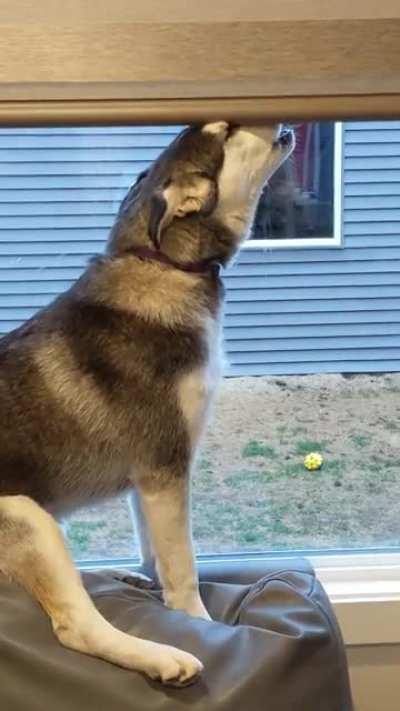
{"x":274,"y":645}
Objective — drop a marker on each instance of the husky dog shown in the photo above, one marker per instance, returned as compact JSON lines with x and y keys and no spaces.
{"x":107,"y":389}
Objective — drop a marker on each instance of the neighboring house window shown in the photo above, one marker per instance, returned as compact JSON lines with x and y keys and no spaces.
{"x":301,"y":204}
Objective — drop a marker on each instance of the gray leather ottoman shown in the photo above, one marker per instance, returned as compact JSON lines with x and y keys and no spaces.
{"x":274,"y":645}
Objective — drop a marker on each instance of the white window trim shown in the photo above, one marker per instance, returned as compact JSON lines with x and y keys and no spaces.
{"x":317,"y":242}
{"x":364,"y":589}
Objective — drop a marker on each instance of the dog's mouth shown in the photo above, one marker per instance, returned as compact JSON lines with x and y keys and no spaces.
{"x":285,"y":138}
{"x":284,"y":143}
{"x":232,"y":129}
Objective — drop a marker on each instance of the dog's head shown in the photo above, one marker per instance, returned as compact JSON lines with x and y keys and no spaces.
{"x":215,"y":170}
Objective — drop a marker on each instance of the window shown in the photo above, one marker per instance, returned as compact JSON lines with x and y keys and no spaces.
{"x":324,"y":310}
{"x":301,"y":206}
{"x":328,"y":310}
{"x":311,"y":337}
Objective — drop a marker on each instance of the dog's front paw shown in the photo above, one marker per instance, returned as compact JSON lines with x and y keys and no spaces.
{"x":174,"y":667}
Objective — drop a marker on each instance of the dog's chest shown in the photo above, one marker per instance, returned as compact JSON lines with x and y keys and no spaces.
{"x":196,"y":388}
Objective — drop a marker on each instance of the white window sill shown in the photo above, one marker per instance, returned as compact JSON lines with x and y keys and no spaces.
{"x":301,"y":243}
{"x":365,"y":592}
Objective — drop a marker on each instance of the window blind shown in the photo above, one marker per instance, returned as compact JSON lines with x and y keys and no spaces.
{"x":125,"y":62}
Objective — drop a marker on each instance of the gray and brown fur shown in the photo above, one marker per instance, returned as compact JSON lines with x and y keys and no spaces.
{"x":108,"y":389}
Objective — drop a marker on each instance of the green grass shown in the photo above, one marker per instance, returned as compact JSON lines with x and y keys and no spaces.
{"x":291,"y":470}
{"x":384,"y":462}
{"x":376,"y":468}
{"x":204,"y":475}
{"x":305,"y":446}
{"x":254,"y":448}
{"x":246,"y":477}
{"x":79,"y":534}
{"x":361,"y":441}
{"x":334,"y":466}
{"x":204,"y":465}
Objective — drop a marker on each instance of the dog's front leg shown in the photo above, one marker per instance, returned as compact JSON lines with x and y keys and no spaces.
{"x":147,"y":557}
{"x":33,"y":553}
{"x":167,"y":513}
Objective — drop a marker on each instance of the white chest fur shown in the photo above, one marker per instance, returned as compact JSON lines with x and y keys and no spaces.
{"x":196,"y":389}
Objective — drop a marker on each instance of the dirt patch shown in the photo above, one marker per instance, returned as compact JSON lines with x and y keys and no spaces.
{"x":251,"y":489}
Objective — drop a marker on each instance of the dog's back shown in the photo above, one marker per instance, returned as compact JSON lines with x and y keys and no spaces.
{"x":88,"y":388}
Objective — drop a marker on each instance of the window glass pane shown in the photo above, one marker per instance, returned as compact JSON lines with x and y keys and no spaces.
{"x":298,"y":202}
{"x":311,"y":335}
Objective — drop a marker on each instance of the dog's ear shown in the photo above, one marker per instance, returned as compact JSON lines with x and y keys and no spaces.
{"x":178,"y":198}
{"x":138,"y":182}
{"x":157,"y":217}
{"x":132,"y":194}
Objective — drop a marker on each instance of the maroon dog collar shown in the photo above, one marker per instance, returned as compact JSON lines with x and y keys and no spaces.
{"x":204,"y":266}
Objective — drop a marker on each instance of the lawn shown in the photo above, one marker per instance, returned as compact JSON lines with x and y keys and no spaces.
{"x":251,"y":489}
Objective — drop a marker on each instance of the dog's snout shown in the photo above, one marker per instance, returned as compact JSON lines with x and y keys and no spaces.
{"x":285,"y":137}
{"x":232,"y":128}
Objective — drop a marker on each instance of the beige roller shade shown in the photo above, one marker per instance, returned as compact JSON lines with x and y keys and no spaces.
{"x":98,"y":61}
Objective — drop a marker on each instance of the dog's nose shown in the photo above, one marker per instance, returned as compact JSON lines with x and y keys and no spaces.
{"x":285,"y":136}
{"x":232,"y":128}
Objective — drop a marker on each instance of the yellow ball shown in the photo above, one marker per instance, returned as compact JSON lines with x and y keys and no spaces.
{"x":313,"y":461}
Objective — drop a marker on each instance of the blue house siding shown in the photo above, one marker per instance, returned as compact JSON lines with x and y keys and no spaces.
{"x":288,"y":311}
{"x":328,"y":310}
{"x":59,"y":192}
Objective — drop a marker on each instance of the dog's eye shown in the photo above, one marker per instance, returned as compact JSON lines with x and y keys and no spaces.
{"x":204,"y":174}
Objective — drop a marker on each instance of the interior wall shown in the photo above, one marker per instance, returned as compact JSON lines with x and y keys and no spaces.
{"x":375,"y":677}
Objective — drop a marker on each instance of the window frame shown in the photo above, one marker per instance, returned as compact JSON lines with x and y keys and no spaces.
{"x":364,"y":587}
{"x":336,"y":241}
